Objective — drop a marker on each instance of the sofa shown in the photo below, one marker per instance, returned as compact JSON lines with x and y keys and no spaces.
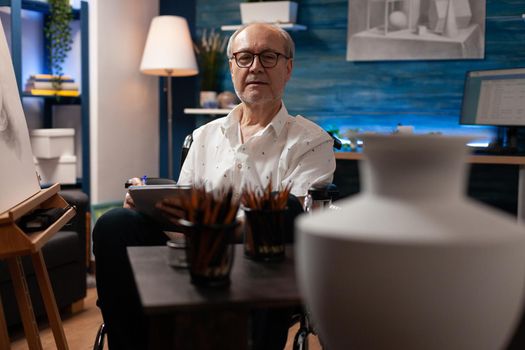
{"x":65,"y":257}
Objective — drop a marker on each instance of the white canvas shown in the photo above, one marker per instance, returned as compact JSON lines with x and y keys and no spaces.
{"x":415,"y":30}
{"x":18,"y":179}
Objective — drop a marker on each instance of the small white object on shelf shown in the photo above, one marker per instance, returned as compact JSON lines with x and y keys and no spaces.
{"x":269,"y":12}
{"x":62,"y":169}
{"x":286,"y":26}
{"x":53,"y":143}
{"x":211,"y":111}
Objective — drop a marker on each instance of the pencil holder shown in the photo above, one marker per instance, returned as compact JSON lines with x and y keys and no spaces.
{"x":264,"y":234}
{"x":209,"y":252}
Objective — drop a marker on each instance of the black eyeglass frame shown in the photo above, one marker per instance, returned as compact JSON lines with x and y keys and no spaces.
{"x":234,"y":57}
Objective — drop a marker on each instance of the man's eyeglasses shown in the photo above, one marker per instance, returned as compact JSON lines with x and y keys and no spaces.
{"x":268,"y":59}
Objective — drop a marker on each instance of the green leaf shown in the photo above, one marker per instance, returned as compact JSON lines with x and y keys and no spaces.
{"x":58,"y":32}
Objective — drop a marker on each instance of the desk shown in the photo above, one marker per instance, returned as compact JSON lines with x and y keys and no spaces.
{"x":477,"y":159}
{"x":183,"y":316}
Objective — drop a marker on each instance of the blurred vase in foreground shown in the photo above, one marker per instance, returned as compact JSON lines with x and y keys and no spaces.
{"x":411,"y":261}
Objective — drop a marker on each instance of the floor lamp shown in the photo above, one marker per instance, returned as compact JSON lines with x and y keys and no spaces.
{"x":169,"y":52}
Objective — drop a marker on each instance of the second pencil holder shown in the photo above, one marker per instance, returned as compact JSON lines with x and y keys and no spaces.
{"x":264,"y":234}
{"x":209,"y":252}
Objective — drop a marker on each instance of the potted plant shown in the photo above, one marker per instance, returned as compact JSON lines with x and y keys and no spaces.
{"x":268,"y":11}
{"x":58,"y":34}
{"x":211,"y":55}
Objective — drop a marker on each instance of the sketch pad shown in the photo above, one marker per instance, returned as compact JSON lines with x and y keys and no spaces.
{"x":145,"y":198}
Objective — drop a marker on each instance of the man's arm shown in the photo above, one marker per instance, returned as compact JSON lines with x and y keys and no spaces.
{"x":315,"y":166}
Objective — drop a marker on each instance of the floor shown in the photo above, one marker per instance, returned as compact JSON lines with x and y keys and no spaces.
{"x":81,"y":328}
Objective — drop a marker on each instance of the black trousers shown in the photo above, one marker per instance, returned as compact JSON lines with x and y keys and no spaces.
{"x":517,"y":341}
{"x":118,"y":296}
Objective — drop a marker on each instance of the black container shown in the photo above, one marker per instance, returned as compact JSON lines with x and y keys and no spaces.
{"x":264,"y":234}
{"x":209,"y":252}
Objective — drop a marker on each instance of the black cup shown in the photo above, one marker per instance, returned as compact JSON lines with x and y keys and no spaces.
{"x":209,"y":252}
{"x":264,"y":234}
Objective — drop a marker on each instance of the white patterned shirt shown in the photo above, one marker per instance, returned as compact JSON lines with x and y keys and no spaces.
{"x":289,"y":149}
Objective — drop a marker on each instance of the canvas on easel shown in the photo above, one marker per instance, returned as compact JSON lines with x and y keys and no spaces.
{"x":18,"y":179}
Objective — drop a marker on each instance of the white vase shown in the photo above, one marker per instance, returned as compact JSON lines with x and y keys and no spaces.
{"x":410,"y":262}
{"x":269,"y":11}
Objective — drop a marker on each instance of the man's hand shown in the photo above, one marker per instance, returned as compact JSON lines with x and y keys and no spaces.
{"x":171,"y":208}
{"x":128,"y":201}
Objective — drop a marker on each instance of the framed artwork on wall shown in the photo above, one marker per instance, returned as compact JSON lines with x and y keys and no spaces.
{"x":18,"y":179}
{"x":380,"y":30}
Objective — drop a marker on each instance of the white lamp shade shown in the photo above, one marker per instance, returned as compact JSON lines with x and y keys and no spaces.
{"x":169,"y":48}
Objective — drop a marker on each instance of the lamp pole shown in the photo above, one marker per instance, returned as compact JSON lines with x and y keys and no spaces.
{"x":170,"y":125}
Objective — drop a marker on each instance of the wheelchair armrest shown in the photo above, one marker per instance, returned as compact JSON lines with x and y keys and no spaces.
{"x":324,"y":192}
{"x":337,"y":143}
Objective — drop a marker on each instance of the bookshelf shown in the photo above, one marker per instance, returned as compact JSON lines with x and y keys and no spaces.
{"x":82,"y":15}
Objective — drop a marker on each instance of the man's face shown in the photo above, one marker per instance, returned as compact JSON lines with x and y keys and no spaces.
{"x":257,"y":84}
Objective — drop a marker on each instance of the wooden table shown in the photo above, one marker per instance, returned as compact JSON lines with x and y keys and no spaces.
{"x":477,"y":159}
{"x":183,"y":316}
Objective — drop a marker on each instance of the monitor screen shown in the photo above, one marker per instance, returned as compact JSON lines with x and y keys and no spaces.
{"x":494,"y":97}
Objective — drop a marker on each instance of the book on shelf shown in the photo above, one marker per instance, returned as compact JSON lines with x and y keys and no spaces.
{"x":50,"y":77}
{"x":48,"y":85}
{"x":52,"y":80}
{"x":52,"y":92}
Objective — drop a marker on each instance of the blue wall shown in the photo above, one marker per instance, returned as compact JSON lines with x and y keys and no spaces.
{"x":377,"y":95}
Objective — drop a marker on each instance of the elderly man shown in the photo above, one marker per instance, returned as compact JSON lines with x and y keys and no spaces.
{"x":257,"y":142}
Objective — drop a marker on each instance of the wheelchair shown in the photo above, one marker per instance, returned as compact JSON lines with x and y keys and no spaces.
{"x":322,"y":194}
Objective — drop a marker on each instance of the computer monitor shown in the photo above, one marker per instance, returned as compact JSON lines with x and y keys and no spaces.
{"x":496,"y":97}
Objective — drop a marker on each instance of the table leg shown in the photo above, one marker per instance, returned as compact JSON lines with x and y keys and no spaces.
{"x":4,"y":336}
{"x":46,"y":290}
{"x":24,"y":303}
{"x":199,"y":330}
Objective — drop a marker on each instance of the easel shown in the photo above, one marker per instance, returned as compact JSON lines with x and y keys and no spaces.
{"x":14,"y":243}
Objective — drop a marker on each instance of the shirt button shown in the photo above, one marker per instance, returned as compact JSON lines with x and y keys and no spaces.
{"x":239,"y":166}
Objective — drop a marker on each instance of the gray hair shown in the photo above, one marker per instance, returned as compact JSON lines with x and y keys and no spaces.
{"x":289,"y":45}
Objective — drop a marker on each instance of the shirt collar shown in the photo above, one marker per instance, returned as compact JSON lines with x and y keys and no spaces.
{"x":231,"y":122}
{"x":279,"y":121}
{"x":232,"y":119}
